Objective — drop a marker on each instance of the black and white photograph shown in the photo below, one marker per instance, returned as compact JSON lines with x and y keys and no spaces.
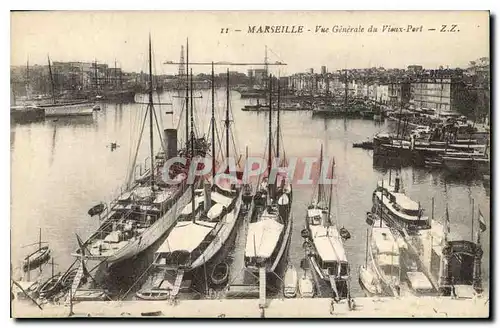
{"x":250,"y":164}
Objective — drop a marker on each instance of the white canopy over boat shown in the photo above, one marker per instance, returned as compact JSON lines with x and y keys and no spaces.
{"x":221,"y":199}
{"x":313,"y":212}
{"x":187,"y":209}
{"x":186,"y":236}
{"x":388,"y":260}
{"x":328,"y":243}
{"x":284,"y":200}
{"x":142,"y":192}
{"x":384,"y":241}
{"x":215,"y":211}
{"x":262,"y":238}
{"x":406,"y":202}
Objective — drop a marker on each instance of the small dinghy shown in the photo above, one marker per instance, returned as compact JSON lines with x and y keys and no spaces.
{"x":96,"y":210}
{"x":51,"y":286}
{"x":37,"y":258}
{"x":306,"y":287}
{"x":345,"y":234}
{"x":90,"y":295}
{"x":220,"y":274}
{"x":153,"y":295}
{"x":68,"y":277}
{"x":369,"y":281}
{"x":290,"y":282}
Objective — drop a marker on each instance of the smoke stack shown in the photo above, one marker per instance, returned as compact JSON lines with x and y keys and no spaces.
{"x":170,"y":142}
{"x":208,"y":196}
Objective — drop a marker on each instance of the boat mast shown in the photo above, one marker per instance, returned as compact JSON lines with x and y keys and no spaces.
{"x":227,"y":116}
{"x":400,"y":114}
{"x":213,"y":123}
{"x":187,"y":95}
{"x":270,"y":149}
{"x":330,"y":199}
{"x":320,"y":186}
{"x":40,"y":239}
{"x":366,"y":251}
{"x":27,"y":77}
{"x":278,"y":123}
{"x":95,"y":75}
{"x":51,"y":81}
{"x":346,"y":88}
{"x":381,"y":202}
{"x":150,"y":106}
{"x":121,"y":82}
{"x":192,"y":147}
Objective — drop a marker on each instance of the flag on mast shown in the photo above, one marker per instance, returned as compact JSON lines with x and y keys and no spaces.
{"x":482,"y":222}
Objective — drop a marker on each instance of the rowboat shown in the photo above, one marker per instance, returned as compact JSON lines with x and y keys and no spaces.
{"x":220,"y":273}
{"x":68,"y":277}
{"x":306,"y":287}
{"x":290,"y":286}
{"x":51,"y":286}
{"x":37,"y":258}
{"x":369,"y":282}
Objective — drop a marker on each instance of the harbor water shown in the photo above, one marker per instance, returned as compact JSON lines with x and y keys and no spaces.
{"x":62,"y":167}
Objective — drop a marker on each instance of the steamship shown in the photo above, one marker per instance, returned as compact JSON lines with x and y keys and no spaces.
{"x":149,"y":206}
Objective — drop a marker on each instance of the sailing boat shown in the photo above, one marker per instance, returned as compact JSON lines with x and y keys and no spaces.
{"x":325,"y":242}
{"x":206,"y":224}
{"x":148,"y":207}
{"x":381,"y":273}
{"x":270,"y":227}
{"x":79,"y":108}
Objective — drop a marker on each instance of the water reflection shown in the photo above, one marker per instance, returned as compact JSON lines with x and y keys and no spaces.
{"x":75,"y":170}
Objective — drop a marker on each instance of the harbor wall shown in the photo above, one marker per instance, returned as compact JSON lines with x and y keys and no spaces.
{"x":405,"y":307}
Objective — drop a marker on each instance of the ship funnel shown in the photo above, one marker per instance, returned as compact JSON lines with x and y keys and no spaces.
{"x":396,"y":184}
{"x":170,"y":137}
{"x":208,"y":196}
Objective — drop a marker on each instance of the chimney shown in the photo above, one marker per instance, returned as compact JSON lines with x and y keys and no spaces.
{"x":208,"y":196}
{"x":170,"y":139}
{"x":396,"y":185}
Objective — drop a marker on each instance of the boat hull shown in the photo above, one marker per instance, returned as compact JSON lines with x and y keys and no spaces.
{"x":276,"y":264}
{"x":149,"y":236}
{"x":75,"y":109}
{"x":42,"y":257}
{"x":225,"y":234}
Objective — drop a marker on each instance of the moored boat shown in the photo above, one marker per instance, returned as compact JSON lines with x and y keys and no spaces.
{"x":397,"y":209}
{"x":325,"y":241}
{"x":36,"y":258}
{"x":220,"y":274}
{"x":81,"y":108}
{"x":369,"y":281}
{"x":148,"y":206}
{"x":306,"y":287}
{"x":51,"y":286}
{"x":290,"y":282}
{"x":270,"y":228}
{"x":384,"y":257}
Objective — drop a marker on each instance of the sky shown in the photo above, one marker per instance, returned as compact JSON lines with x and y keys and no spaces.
{"x":109,"y":35}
